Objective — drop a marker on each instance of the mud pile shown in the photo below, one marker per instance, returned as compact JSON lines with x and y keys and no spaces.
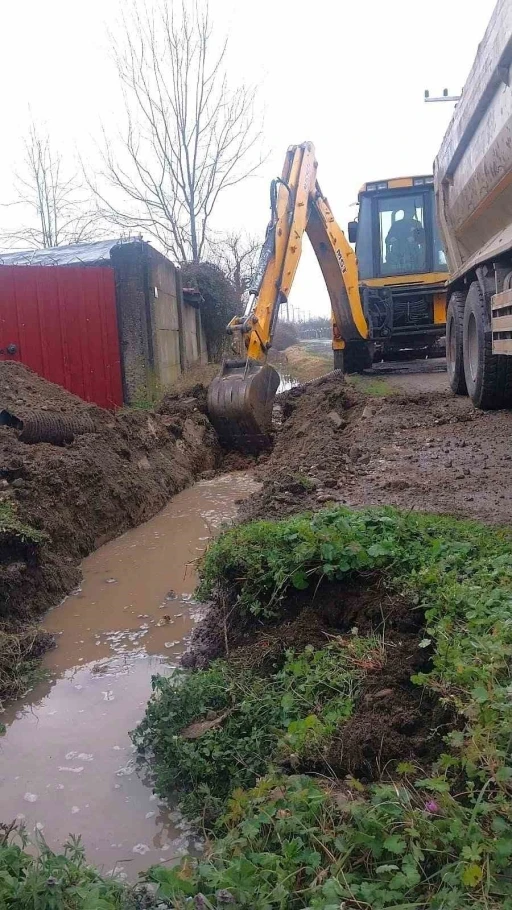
{"x":393,"y":718}
{"x":82,"y":494}
{"x":425,"y":450}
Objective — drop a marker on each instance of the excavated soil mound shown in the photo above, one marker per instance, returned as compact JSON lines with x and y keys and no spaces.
{"x":428,"y":451}
{"x":393,"y":720}
{"x":84,"y":493}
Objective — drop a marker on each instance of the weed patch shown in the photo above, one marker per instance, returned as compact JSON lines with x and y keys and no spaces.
{"x":438,"y":835}
{"x":59,"y":881}
{"x":20,"y":654}
{"x":248,"y":722}
{"x":12,"y":527}
{"x":292,"y":843}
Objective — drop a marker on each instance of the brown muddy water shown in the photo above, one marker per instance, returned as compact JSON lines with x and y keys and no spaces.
{"x":67,"y":764}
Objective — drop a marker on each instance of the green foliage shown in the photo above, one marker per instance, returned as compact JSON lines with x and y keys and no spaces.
{"x":291,"y":843}
{"x":45,"y":880}
{"x":262,"y":560}
{"x":459,"y":573}
{"x":219,"y":304}
{"x":289,"y":714}
{"x":11,"y":526}
{"x":442,"y":841}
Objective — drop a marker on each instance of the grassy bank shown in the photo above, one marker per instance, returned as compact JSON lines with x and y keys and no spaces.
{"x":258,"y":754}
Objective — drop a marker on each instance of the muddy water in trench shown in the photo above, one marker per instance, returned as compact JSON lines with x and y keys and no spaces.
{"x":66,"y":762}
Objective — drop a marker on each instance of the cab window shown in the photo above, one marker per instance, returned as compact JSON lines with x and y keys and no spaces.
{"x":402,"y":240}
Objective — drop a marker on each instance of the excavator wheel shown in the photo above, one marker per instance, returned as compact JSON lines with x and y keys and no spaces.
{"x":240,"y":404}
{"x":357,"y":356}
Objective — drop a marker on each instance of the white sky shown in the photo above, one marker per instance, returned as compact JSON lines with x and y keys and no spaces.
{"x":349,"y":76}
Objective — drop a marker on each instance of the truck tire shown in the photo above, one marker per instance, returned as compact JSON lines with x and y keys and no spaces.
{"x":488,"y":376}
{"x":357,"y":356}
{"x":454,"y":347}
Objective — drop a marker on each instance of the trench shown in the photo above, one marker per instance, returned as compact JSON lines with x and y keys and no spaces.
{"x":67,"y":764}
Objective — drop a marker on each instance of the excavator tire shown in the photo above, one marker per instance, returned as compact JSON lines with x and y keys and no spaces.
{"x":454,"y":348}
{"x":488,"y":375}
{"x":357,"y":357}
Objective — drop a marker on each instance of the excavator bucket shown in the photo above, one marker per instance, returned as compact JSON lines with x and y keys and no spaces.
{"x":240,"y":403}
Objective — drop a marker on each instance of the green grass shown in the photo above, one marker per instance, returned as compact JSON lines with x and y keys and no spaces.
{"x":291,"y":843}
{"x":374,"y":387}
{"x":443,"y":841}
{"x":45,"y":880}
{"x":12,"y":526}
{"x":261,"y":721}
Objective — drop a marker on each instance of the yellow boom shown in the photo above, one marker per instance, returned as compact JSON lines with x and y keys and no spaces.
{"x":240,"y":398}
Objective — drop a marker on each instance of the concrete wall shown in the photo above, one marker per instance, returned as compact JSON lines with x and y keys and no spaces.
{"x":135,"y":335}
{"x":160,"y":335}
{"x":193,"y":335}
{"x":164,"y":301}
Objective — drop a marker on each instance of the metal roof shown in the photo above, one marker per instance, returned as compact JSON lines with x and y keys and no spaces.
{"x":97,"y":252}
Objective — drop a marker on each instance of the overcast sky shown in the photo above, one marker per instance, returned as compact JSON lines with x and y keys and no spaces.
{"x":349,"y":76}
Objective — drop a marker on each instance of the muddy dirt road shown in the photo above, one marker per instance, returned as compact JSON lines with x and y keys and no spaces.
{"x":66,"y":762}
{"x":414,"y":375}
{"x":394,"y":437}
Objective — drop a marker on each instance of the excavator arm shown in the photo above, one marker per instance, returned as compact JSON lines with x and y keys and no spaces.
{"x":240,"y":399}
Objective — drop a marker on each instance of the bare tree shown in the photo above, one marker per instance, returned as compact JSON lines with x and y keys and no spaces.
{"x":52,"y":201}
{"x":189,"y":136}
{"x":237,"y":255}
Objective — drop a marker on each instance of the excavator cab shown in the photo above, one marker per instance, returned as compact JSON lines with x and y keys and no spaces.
{"x":402,"y":265}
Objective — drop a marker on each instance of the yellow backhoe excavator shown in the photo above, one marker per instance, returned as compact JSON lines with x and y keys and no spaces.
{"x":395,"y":299}
{"x":240,"y":398}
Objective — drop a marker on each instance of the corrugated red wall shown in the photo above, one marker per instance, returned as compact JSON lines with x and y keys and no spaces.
{"x":62,"y":321}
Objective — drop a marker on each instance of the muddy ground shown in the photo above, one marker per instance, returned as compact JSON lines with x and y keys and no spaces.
{"x":396,"y":437}
{"x":413,"y":445}
{"x":83,"y":493}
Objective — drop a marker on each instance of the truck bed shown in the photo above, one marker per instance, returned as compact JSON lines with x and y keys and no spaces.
{"x":473,"y":169}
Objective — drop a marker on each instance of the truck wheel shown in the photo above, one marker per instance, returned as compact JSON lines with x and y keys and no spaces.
{"x":357,"y":356}
{"x":454,"y":351}
{"x":488,"y":376}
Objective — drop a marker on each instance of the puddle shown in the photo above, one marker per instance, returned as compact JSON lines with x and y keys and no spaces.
{"x":66,"y":761}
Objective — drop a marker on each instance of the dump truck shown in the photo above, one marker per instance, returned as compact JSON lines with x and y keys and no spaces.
{"x":473,"y":193}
